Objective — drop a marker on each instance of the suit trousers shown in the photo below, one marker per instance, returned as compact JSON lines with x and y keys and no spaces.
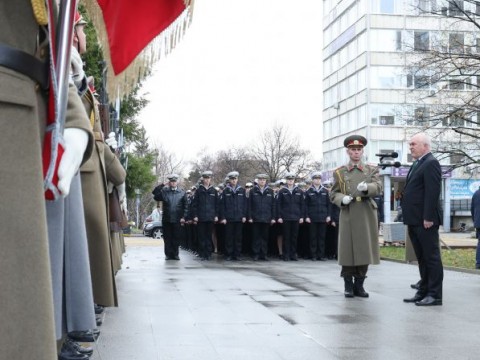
{"x":204,"y":232}
{"x":172,"y":233}
{"x":260,"y":238}
{"x":427,"y":249}
{"x":290,"y":236}
{"x":233,"y":238}
{"x":317,"y":234}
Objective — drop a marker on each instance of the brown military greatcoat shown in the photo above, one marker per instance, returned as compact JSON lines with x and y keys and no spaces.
{"x":358,"y":230}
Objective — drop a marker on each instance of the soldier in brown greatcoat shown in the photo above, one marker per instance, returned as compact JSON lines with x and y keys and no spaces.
{"x":103,"y":166}
{"x":355,"y":185}
{"x":26,"y":309}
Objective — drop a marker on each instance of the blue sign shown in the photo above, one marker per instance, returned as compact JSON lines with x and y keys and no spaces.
{"x":463,"y":188}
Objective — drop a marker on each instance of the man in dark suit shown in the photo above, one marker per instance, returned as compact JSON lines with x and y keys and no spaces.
{"x":422,"y":215}
{"x":475,"y":210}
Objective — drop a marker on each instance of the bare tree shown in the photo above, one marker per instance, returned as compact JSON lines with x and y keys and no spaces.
{"x":277,"y":152}
{"x":166,"y":163}
{"x":444,"y":71}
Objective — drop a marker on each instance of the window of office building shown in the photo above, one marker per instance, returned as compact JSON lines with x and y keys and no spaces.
{"x":456,"y":83}
{"x":421,"y":40}
{"x":455,"y":8}
{"x":456,"y":43}
{"x":385,"y":40}
{"x":421,"y":116}
{"x":419,"y":80}
{"x":456,"y":159}
{"x":383,"y":114}
{"x":386,"y":77}
{"x":386,"y":6}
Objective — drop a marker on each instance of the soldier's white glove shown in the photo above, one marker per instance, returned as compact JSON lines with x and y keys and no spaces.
{"x":111,"y":141}
{"x":362,"y":186}
{"x":78,"y":75}
{"x":76,"y":141}
{"x":347,"y":199}
{"x":121,"y":192}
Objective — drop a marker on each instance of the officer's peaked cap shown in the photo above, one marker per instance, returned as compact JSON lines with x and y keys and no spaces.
{"x":233,"y":175}
{"x":173,"y":177}
{"x":207,"y":174}
{"x":354,"y":140}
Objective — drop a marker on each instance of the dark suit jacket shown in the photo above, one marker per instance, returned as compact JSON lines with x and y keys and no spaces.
{"x":421,"y":195}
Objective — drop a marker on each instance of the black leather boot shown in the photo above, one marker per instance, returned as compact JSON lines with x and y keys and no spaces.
{"x":358,"y":289}
{"x":348,"y":286}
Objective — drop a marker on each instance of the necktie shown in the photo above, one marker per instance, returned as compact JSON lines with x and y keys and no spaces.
{"x":412,"y":169}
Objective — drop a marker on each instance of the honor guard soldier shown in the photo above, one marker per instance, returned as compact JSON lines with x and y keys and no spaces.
{"x":233,"y":213}
{"x":261,"y":213}
{"x":290,"y":209}
{"x":317,"y":215}
{"x":27,"y":305}
{"x":205,"y":214}
{"x":355,"y":185}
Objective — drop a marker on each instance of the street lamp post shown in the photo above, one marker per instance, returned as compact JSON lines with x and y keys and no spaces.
{"x":138,"y":192}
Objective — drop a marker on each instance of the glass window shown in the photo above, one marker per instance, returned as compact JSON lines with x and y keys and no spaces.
{"x":455,"y":7}
{"x":382,"y":114}
{"x":456,"y":84}
{"x":456,"y":42}
{"x":387,"y":6}
{"x":384,"y":40}
{"x":421,"y":40}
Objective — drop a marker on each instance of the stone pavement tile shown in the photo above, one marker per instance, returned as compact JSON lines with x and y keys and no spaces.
{"x":246,"y":351}
{"x":206,"y":352}
{"x":125,"y":346}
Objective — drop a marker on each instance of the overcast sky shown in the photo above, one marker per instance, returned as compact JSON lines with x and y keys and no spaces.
{"x":242,"y":66}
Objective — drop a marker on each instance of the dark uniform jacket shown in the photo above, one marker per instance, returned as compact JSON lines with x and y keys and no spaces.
{"x":205,"y":203}
{"x":421,"y":195}
{"x":290,"y":205}
{"x":261,"y":205}
{"x":233,"y":206}
{"x":174,"y":204}
{"x":475,"y":209}
{"x":317,"y":204}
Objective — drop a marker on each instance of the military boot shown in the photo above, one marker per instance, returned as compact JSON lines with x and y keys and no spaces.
{"x":358,"y":289}
{"x":348,"y":286}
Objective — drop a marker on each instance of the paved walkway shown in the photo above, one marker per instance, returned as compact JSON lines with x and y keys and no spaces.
{"x":246,"y":310}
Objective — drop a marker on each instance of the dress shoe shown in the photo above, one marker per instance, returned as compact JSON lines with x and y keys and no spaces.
{"x":84,"y":336}
{"x":313,"y":259}
{"x":255,"y":258}
{"x":322,"y":259}
{"x":98,"y":309}
{"x":416,"y":286}
{"x":81,"y":349}
{"x":98,"y":320}
{"x":264,"y":258}
{"x":429,"y":301}
{"x":168,"y":258}
{"x":413,"y":299}
{"x":176,"y":258}
{"x":477,"y":266}
{"x":228,"y":258}
{"x":294,"y":258}
{"x":68,"y":352}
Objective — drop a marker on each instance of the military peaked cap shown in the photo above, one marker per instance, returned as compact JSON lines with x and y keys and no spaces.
{"x":354,"y":140}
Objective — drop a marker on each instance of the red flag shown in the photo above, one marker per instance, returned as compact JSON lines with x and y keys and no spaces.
{"x":132,"y":25}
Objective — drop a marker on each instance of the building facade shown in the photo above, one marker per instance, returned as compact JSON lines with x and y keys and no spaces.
{"x":376,"y":85}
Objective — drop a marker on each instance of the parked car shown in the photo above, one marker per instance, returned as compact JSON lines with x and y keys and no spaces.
{"x":153,"y":229}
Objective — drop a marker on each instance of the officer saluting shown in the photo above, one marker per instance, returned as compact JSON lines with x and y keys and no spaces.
{"x":356,"y":183}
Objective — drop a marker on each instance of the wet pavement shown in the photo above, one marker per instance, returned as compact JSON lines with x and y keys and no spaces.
{"x":192,"y":309}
